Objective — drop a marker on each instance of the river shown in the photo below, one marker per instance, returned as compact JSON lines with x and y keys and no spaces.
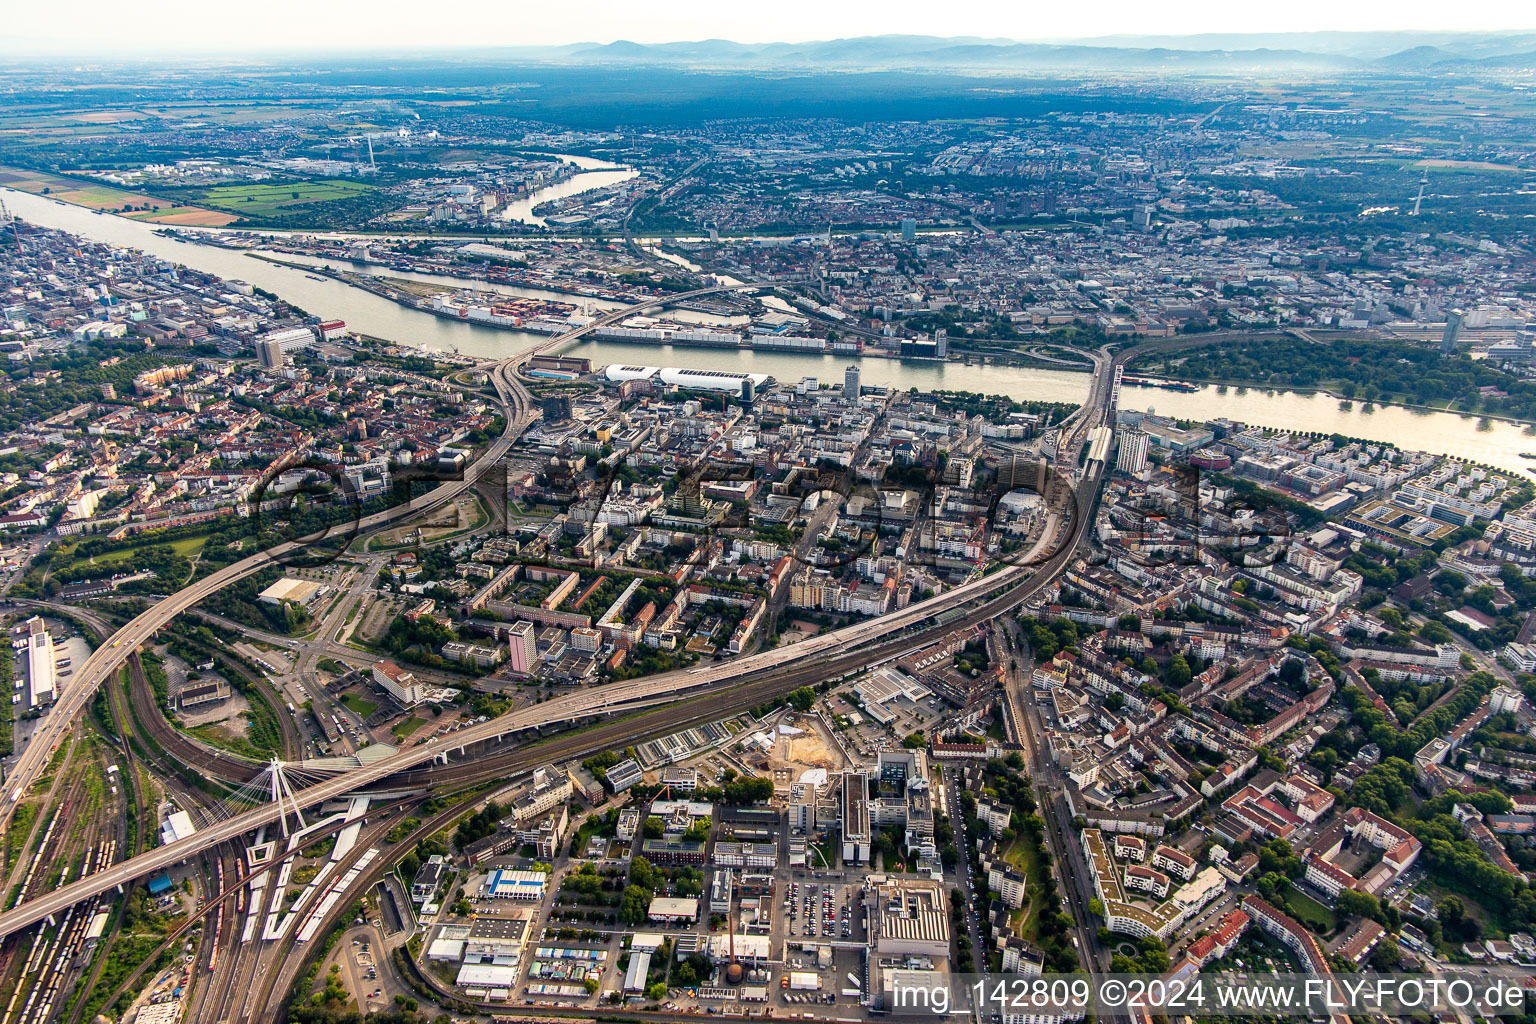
{"x":594,"y":174}
{"x":1498,"y":444}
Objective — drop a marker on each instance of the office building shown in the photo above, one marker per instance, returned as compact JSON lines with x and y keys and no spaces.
{"x":851,"y":389}
{"x":623,"y":775}
{"x":855,"y":817}
{"x":908,"y":230}
{"x":290,"y":339}
{"x":557,"y":407}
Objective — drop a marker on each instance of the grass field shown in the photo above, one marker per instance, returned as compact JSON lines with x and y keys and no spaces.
{"x":260,"y":200}
{"x":358,"y":706}
{"x":1464,"y":165}
{"x":1310,"y":912}
{"x":187,"y":547}
{"x":104,"y":197}
{"x":410,"y":725}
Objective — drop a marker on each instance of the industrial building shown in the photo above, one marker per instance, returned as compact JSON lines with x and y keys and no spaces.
{"x":695,"y":380}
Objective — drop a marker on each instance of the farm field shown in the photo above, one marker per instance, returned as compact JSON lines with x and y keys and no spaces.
{"x":263,"y":199}
{"x":110,"y":200}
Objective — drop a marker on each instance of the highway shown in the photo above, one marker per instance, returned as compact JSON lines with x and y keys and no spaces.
{"x":519,"y":413}
{"x":1000,"y":586}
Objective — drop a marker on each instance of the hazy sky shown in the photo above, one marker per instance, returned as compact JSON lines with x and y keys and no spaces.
{"x":91,"y":26}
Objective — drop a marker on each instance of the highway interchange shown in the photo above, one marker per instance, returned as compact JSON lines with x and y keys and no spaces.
{"x":810,"y":656}
{"x":504,"y":746}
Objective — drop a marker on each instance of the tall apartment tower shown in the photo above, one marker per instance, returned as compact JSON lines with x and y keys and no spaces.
{"x":851,"y":387}
{"x":525,"y":652}
{"x":1134,"y":445}
{"x":1452,"y":333}
{"x":908,"y":230}
{"x":270,"y":352}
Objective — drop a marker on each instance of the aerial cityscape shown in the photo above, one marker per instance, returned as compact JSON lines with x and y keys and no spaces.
{"x":1015,"y":529}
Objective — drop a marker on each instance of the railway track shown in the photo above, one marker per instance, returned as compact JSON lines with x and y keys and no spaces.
{"x":220,"y":947}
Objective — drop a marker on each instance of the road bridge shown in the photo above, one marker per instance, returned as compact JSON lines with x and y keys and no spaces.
{"x":862,"y":636}
{"x":517,"y":406}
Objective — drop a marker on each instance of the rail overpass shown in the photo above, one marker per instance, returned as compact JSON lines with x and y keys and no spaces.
{"x":518,"y":408}
{"x":616,"y":697}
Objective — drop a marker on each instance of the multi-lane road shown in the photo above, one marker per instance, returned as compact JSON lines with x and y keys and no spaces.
{"x":999,"y":590}
{"x":519,"y":413}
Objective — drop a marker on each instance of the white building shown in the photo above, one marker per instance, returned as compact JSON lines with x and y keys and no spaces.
{"x":1134,"y":445}
{"x":398,"y":683}
{"x":41,"y":675}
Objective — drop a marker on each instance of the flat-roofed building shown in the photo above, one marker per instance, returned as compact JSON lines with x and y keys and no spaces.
{"x":299,"y":592}
{"x":522,"y":641}
{"x":201,"y":693}
{"x":398,"y":683}
{"x":505,"y":883}
{"x":673,"y":908}
{"x":722,"y":885}
{"x":623,"y":775}
{"x":1008,"y":883}
{"x":42,"y":672}
{"x":911,"y":918}
{"x":855,"y":817}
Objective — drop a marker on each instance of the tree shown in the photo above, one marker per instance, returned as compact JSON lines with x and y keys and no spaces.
{"x":657,"y":992}
{"x":914,"y":741}
{"x":634,"y":907}
{"x":1387,"y":954}
{"x":642,"y":874}
{"x":802,"y":699}
{"x":748,"y":790}
{"x":1435,"y":632}
{"x":654,"y":828}
{"x":1358,"y":904}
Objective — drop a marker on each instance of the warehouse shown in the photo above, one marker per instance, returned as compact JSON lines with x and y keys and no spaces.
{"x":300,"y":592}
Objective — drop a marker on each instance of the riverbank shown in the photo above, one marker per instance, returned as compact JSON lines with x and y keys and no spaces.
{"x":1247,"y":387}
{"x":367,"y":313}
{"x":99,"y":197}
{"x":569,"y":291}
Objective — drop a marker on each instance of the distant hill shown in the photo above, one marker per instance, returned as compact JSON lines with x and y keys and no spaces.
{"x":1306,"y":51}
